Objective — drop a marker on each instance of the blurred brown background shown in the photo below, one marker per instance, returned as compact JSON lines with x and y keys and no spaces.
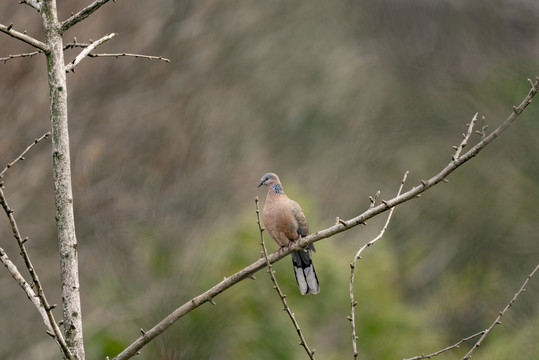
{"x":340,"y":99}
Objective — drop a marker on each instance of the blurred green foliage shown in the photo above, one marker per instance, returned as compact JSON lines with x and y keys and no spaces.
{"x":340,"y":99}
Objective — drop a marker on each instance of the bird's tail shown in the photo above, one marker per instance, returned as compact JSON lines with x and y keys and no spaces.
{"x":304,"y":270}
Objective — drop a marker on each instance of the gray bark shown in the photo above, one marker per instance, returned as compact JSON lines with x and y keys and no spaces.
{"x":65,"y":222}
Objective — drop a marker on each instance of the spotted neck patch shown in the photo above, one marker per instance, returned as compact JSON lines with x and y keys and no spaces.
{"x":277,"y":189}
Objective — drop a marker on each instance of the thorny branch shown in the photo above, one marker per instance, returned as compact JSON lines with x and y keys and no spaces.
{"x":483,"y":333}
{"x":9,"y":57}
{"x":454,"y":346}
{"x":341,"y":226}
{"x":501,"y":313}
{"x":42,"y":304}
{"x":353,"y":303}
{"x":76,"y":44}
{"x":21,"y":156}
{"x":89,"y":54}
{"x":286,"y":308}
{"x":138,"y":56}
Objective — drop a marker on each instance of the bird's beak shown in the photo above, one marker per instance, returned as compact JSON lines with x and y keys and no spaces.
{"x":261,"y":183}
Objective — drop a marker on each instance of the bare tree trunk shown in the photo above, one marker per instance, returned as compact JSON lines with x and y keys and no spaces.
{"x":53,"y":47}
{"x":65,"y":222}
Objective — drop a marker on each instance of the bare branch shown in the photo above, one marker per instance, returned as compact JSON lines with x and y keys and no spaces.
{"x":32,"y":3}
{"x":76,"y":44}
{"x":56,"y":333}
{"x":484,"y":333}
{"x":248,"y":271}
{"x":466,"y":137}
{"x":90,"y":55}
{"x":39,"y":300}
{"x":9,"y":57}
{"x":353,"y":303}
{"x":83,"y":14}
{"x":84,"y":53}
{"x":499,"y":318}
{"x":484,"y":127}
{"x":21,"y":156}
{"x":286,"y":308}
{"x":12,"y":269}
{"x":455,"y":345}
{"x":138,"y":56}
{"x":24,"y":38}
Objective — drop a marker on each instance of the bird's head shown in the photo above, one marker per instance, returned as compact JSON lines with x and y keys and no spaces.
{"x":269,"y":179}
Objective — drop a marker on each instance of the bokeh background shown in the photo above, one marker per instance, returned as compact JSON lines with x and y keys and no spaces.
{"x":339,"y":98}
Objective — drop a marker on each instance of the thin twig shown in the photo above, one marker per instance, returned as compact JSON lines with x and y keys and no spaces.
{"x":24,"y":38}
{"x":465,"y":137}
{"x":138,"y":56}
{"x":484,"y":127}
{"x":286,"y":308}
{"x":56,"y":333}
{"x":9,"y":57}
{"x":90,"y":55}
{"x":484,"y":333}
{"x":75,"y":44}
{"x":501,"y":313}
{"x":301,"y":243}
{"x":83,"y":14}
{"x":374,"y":199}
{"x":40,"y":301}
{"x":21,"y":156}
{"x":353,"y":302}
{"x":69,"y":67}
{"x":455,"y":345}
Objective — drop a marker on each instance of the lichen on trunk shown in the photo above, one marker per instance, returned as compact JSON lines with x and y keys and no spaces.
{"x":65,"y":222}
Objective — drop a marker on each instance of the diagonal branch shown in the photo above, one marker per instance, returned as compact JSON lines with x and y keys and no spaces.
{"x":12,"y":269}
{"x":454,"y":346}
{"x":354,"y":303}
{"x":341,"y":226}
{"x":84,"y":53}
{"x":43,"y":303}
{"x":425,"y":185}
{"x":484,"y":333}
{"x":465,"y":137}
{"x":499,"y":318}
{"x":21,"y":156}
{"x":286,"y":308}
{"x":39,"y":300}
{"x":32,"y":3}
{"x":83,"y":14}
{"x":24,"y":38}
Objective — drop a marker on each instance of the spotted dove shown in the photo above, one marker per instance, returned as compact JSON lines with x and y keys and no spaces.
{"x":285,"y":222}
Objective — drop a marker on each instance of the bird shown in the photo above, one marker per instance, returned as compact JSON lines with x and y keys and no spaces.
{"x":286,"y":223}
